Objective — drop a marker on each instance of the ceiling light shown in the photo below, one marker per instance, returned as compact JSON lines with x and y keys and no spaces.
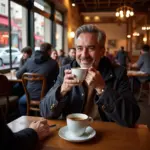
{"x":73,"y":4}
{"x":124,"y":11}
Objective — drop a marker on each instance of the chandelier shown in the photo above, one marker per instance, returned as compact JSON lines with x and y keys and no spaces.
{"x":124,"y":12}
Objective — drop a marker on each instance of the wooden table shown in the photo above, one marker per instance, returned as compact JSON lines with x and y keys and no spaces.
{"x":109,"y":136}
{"x":12,"y":77}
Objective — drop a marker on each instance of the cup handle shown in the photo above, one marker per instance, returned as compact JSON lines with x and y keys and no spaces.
{"x":90,"y":119}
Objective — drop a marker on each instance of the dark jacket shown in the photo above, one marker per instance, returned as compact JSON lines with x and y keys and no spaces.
{"x":122,"y":57}
{"x":115,"y":104}
{"x":26,"y":139}
{"x":67,"y":60}
{"x":42,"y":64}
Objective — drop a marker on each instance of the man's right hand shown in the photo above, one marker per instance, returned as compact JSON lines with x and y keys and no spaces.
{"x":69,"y":81}
{"x":41,"y":127}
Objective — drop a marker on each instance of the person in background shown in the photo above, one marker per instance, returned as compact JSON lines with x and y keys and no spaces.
{"x":26,"y":139}
{"x":143,"y":64}
{"x":40,"y":63}
{"x":104,"y":94}
{"x":70,"y":58}
{"x":122,"y":57}
{"x":109,"y":55}
{"x":54,"y":56}
{"x":26,"y":53}
{"x":61,"y":56}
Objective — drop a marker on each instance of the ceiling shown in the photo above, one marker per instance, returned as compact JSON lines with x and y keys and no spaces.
{"x":111,"y":5}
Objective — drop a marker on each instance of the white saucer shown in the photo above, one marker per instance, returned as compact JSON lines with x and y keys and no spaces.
{"x":65,"y":134}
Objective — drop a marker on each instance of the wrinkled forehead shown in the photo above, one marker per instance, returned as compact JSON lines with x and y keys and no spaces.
{"x":86,"y":39}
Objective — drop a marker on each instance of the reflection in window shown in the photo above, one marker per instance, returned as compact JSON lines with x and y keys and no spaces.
{"x":42,"y":5}
{"x":42,"y":28}
{"x":18,"y":30}
{"x":58,"y":16}
{"x":58,"y":36}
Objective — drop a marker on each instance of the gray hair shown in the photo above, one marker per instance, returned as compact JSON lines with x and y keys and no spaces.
{"x":90,"y":28}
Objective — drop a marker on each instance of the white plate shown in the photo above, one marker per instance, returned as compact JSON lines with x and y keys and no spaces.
{"x":65,"y":134}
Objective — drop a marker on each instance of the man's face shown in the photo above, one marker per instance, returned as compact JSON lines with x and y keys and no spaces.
{"x":88,"y":51}
{"x":25,"y":55}
{"x":72,"y":53}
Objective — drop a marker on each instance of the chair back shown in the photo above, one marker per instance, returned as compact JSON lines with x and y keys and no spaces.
{"x":4,"y":92}
{"x":4,"y":85}
{"x":33,"y":104}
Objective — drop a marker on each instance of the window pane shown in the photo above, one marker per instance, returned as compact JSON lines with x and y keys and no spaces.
{"x":42,"y":5}
{"x":42,"y":28}
{"x":58,"y":16}
{"x":59,"y":35}
{"x":4,"y":35}
{"x":18,"y":31}
{"x":38,"y":29}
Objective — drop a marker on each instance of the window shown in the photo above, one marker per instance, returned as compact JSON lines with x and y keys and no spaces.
{"x":58,"y":16}
{"x":42,"y":27}
{"x":18,"y":31}
{"x":2,"y":8}
{"x":58,"y":37}
{"x":42,"y":5}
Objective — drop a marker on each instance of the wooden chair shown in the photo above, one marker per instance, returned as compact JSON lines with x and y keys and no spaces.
{"x":33,"y":104}
{"x":144,"y":91}
{"x":7,"y":103}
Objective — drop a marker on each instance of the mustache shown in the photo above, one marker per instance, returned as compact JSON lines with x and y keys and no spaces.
{"x":86,"y":58}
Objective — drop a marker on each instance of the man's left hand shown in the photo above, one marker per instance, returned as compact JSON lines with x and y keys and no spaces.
{"x":94,"y":79}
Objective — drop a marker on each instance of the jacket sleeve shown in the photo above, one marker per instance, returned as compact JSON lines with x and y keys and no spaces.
{"x":21,"y":71}
{"x":26,"y":139}
{"x":52,"y":104}
{"x":119,"y":104}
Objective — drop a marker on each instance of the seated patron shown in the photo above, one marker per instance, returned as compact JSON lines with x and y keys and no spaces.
{"x":26,"y":53}
{"x":40,"y":63}
{"x":105,"y":94}
{"x":54,"y":56}
{"x":26,"y":139}
{"x":70,"y":58}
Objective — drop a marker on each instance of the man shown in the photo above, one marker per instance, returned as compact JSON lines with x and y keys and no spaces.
{"x":40,"y":63}
{"x":70,"y":58}
{"x":61,"y":56}
{"x":122,"y":57}
{"x":105,"y":93}
{"x":143,"y":64}
{"x":26,"y":53}
{"x":26,"y":139}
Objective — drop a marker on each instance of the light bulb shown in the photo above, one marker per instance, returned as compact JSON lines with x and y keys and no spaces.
{"x":121,"y":12}
{"x":128,"y":12}
{"x":127,"y":15}
{"x":117,"y":14}
{"x":121,"y":15}
{"x":132,"y":13}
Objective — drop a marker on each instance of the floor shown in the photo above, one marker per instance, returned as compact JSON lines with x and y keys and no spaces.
{"x":145,"y":112}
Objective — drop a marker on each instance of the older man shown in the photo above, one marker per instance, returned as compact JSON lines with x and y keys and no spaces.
{"x":105,"y":93}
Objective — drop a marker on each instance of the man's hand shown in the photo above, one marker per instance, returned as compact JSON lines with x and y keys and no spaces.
{"x":41,"y":127}
{"x":95,"y":79}
{"x":69,"y":81}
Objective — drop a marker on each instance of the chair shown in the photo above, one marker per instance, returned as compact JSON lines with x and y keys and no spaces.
{"x":7,"y":102}
{"x":33,"y":105}
{"x":145,"y":91}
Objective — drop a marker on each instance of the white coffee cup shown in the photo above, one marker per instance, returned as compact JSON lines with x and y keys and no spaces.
{"x":77,"y":123}
{"x":80,"y":73}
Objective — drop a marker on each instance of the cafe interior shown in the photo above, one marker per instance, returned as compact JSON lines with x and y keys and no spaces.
{"x":33,"y":22}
